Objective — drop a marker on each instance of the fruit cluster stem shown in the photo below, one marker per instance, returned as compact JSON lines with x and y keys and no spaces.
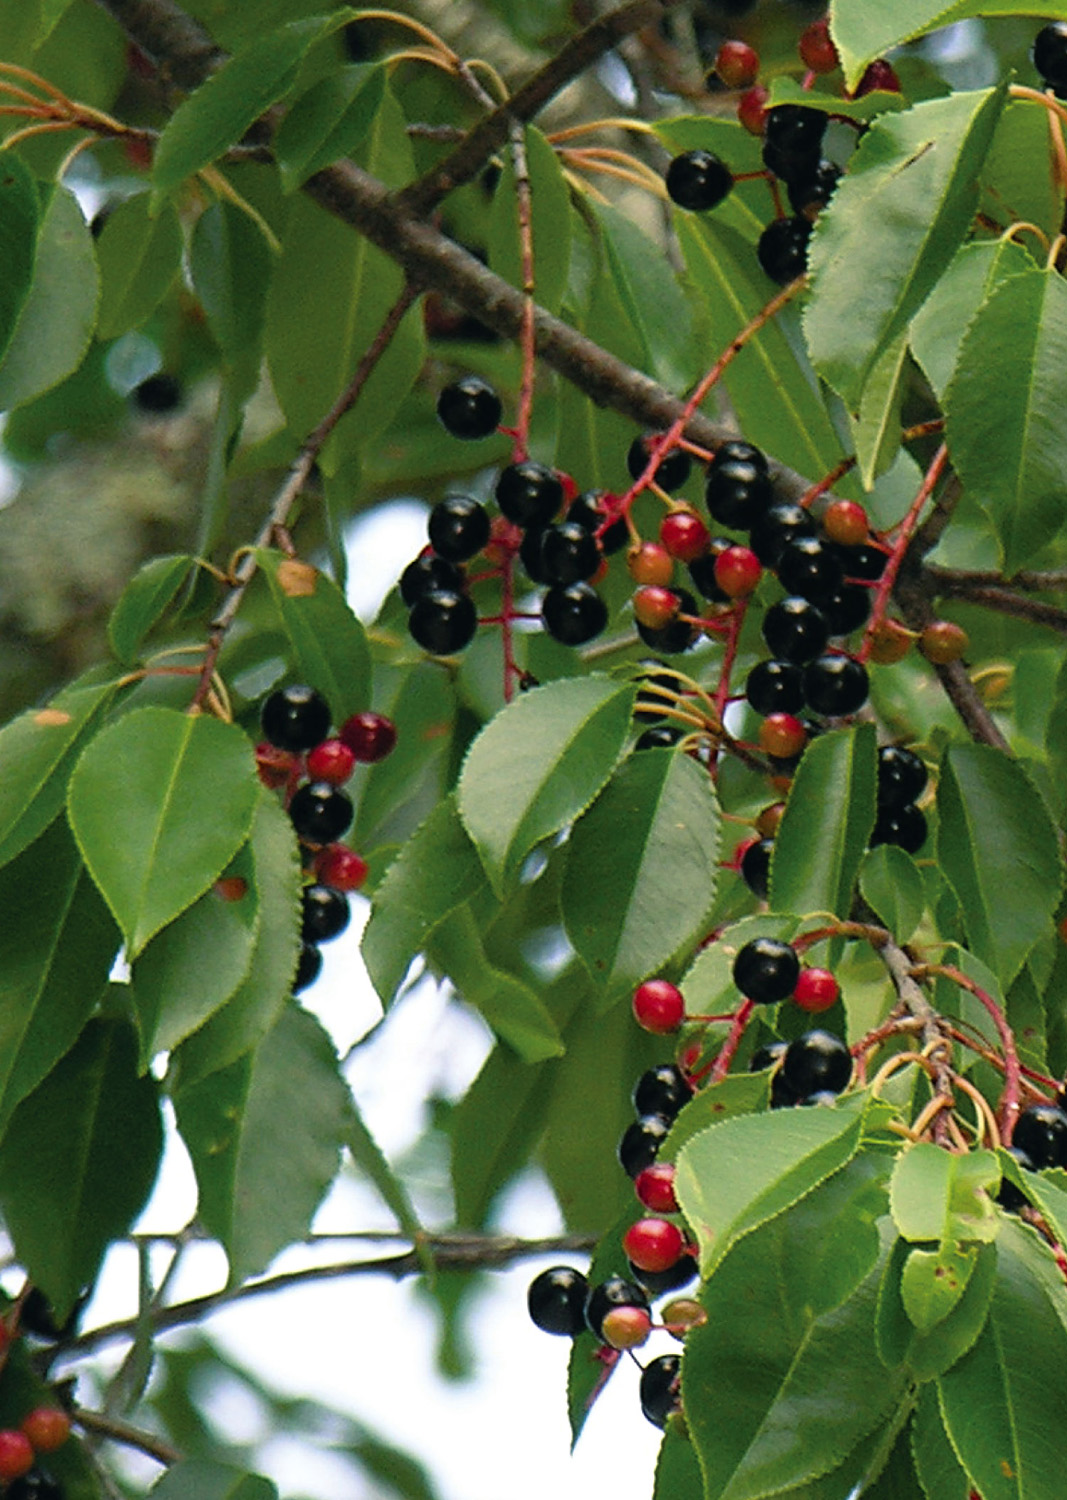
{"x":1009,"y":1101}
{"x":904,"y":535}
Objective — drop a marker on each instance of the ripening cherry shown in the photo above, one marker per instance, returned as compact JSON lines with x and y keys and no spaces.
{"x":737,"y":64}
{"x":47,"y":1427}
{"x":656,"y":607}
{"x":943,"y":642}
{"x":890,"y":642}
{"x":737,"y":571}
{"x":654,"y":1187}
{"x":782,"y":735}
{"x":816,"y":990}
{"x":653,"y":1244}
{"x":650,"y":564}
{"x":846,"y":522}
{"x":659,"y":1006}
{"x":331,"y":761}
{"x":16,"y":1455}
{"x":684,"y":535}
{"x":752,"y":108}
{"x":816,"y":47}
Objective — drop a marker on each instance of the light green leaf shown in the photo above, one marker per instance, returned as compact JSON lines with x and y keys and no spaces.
{"x":936,"y":1195}
{"x":1009,"y":362}
{"x":265,"y":1139}
{"x":550,"y":211}
{"x":999,"y":852}
{"x":938,"y":327}
{"x":328,"y":644}
{"x":328,"y":122}
{"x":642,"y":867}
{"x":143,"y":602}
{"x":828,"y":817}
{"x":678,"y":1474}
{"x":19,"y":213}
{"x":893,"y":225}
{"x":876,"y":430}
{"x":160,"y":802}
{"x":893,"y":888}
{"x":538,"y":765}
{"x":933,"y":1281}
{"x":139,"y":257}
{"x":78,"y":1161}
{"x":57,"y":317}
{"x":929,"y":1354}
{"x":197,"y":1479}
{"x":864,"y":32}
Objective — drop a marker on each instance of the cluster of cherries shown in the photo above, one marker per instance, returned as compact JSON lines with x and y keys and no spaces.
{"x":45,"y":1428}
{"x":299,"y":756}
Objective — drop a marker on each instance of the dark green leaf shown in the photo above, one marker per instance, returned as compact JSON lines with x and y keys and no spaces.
{"x":328,"y":644}
{"x":424,"y":712}
{"x":328,"y":122}
{"x":197,"y":1479}
{"x":78,"y":1161}
{"x":938,"y":327}
{"x":642,"y":867}
{"x":549,"y":218}
{"x":139,"y":256}
{"x":999,"y":851}
{"x":230,"y":264}
{"x":143,"y":603}
{"x":893,"y":226}
{"x":651,"y":298}
{"x":936,"y":1463}
{"x":821,"y":840}
{"x":893,"y":888}
{"x":160,"y":802}
{"x":678,"y":1475}
{"x":19,"y":211}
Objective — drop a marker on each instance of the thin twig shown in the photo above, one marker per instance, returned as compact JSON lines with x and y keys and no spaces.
{"x":122,"y":1432}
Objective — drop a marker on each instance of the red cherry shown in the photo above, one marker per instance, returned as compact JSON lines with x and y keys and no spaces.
{"x":655,"y":607}
{"x":816,"y":990}
{"x":879,"y":75}
{"x":846,"y":522}
{"x":782,"y":735}
{"x":47,"y":1428}
{"x":816,"y":47}
{"x":737,"y":571}
{"x":659,"y":1006}
{"x":340,"y":867}
{"x":369,"y":736}
{"x":650,"y":563}
{"x":684,"y":535}
{"x":332,"y":761}
{"x":654,"y":1187}
{"x":653,"y":1244}
{"x":16,"y":1455}
{"x":752,"y":108}
{"x":737,"y":64}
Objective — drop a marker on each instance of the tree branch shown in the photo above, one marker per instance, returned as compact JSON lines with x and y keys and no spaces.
{"x":122,"y":1432}
{"x":1004,"y":600}
{"x":180,"y":46}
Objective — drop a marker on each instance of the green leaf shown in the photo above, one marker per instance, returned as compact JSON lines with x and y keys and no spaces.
{"x":143,"y":602}
{"x":933,"y":1281}
{"x":222,"y":109}
{"x":265,"y":1139}
{"x":253,"y":1008}
{"x":493,"y":1128}
{"x":678,"y":1474}
{"x":998,"y":850}
{"x":936,"y":1463}
{"x":38,"y":751}
{"x":708,"y":984}
{"x":139,"y":257}
{"x":1002,"y":1412}
{"x":549,"y":218}
{"x":424,"y":712}
{"x":1013,"y":351}
{"x":78,"y":1161}
{"x":736,"y":1175}
{"x":327,"y":642}
{"x":328,"y":122}
{"x":231,"y":267}
{"x":895,"y":222}
{"x":642,"y":867}
{"x":892,"y":887}
{"x":864,"y":32}
{"x":651,"y":298}
{"x":828,"y":817}
{"x":876,"y":430}
{"x":786,"y":90}
{"x":436,"y":872}
{"x":198,"y":1479}
{"x":938,"y":327}
{"x":538,"y":765}
{"x":19,"y":212}
{"x":160,"y":802}
{"x":936,"y":1195}
{"x":55,"y":957}
{"x":59,"y":311}
{"x":927,"y":1355}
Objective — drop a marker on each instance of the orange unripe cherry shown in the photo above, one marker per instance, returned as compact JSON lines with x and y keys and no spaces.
{"x":650,"y":564}
{"x":655,"y":607}
{"x":943,"y":642}
{"x":890,"y":642}
{"x":47,"y":1428}
{"x":846,"y":522}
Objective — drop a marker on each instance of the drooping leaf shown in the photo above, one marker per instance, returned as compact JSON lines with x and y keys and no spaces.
{"x":929,"y":1351}
{"x":1010,"y":358}
{"x":200,"y":1479}
{"x":57,"y":945}
{"x":892,"y":227}
{"x":143,"y":603}
{"x":936,"y":1195}
{"x":678,"y":1474}
{"x":19,"y":212}
{"x":828,"y":817}
{"x":139,"y":257}
{"x":160,"y":802}
{"x":999,"y":852}
{"x":78,"y":1161}
{"x":59,"y":310}
{"x":549,"y":221}
{"x":265,"y":1138}
{"x":328,"y":643}
{"x":642,"y":868}
{"x":893,"y":888}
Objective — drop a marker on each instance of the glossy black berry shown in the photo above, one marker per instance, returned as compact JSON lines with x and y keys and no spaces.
{"x":458,"y":528}
{"x":640,"y":1142}
{"x":37,"y":1316}
{"x":771,"y":532}
{"x":766,"y":1056}
{"x":569,"y":553}
{"x":469,"y":408}
{"x":158,"y":394}
{"x":756,"y":867}
{"x":308,"y":967}
{"x":864,"y":562}
{"x":736,"y":449}
{"x":325,"y":913}
{"x":660,"y":1388}
{"x":815,"y":1062}
{"x":529,"y":494}
{"x":1050,"y":54}
{"x":811,"y":190}
{"x":698,"y":180}
{"x":836,"y":685}
{"x":443,"y":621}
{"x":1041,"y":1131}
{"x":295,"y":718}
{"x":615,"y":1292}
{"x":795,"y":630}
{"x":556,"y":1300}
{"x":775,"y":687}
{"x":530,"y":555}
{"x":783,"y":1095}
{"x":428,"y":572}
{"x":587,"y":510}
{"x":661,"y":1091}
{"x":659,"y":737}
{"x":847,"y":608}
{"x":702,"y":571}
{"x":679,"y":635}
{"x":737,"y":491}
{"x":782,"y":249}
{"x":36,"y":1485}
{"x":903,"y":826}
{"x":902,"y":776}
{"x":672,"y":472}
{"x":1009,"y":1196}
{"x":766,"y":970}
{"x":573,"y":615}
{"x":320,"y":812}
{"x":658,"y":1283}
{"x":792,"y":139}
{"x":809,"y":568}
